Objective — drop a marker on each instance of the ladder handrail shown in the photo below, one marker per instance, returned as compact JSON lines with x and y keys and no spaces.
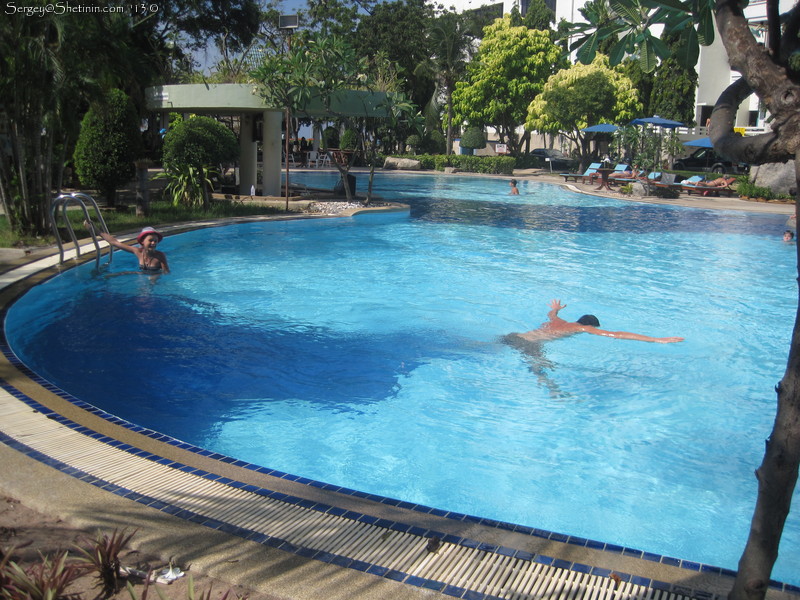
{"x":63,"y":201}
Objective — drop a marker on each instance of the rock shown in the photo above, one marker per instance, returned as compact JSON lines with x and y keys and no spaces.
{"x":407,"y":164}
{"x":779,"y":177}
{"x":638,"y":189}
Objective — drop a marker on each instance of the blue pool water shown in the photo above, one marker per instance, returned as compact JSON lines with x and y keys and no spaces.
{"x":366,"y":352}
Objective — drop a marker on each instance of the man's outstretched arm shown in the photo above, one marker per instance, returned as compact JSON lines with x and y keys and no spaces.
{"x":627,"y":335}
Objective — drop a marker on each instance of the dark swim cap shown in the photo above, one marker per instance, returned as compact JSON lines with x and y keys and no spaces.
{"x":589,"y":320}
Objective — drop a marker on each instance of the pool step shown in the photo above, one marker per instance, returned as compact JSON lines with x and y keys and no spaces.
{"x":457,"y":567}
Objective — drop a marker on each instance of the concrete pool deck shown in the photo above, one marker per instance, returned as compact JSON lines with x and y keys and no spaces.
{"x":290,"y":537}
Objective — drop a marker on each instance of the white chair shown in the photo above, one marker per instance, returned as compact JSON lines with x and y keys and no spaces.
{"x":313,"y":157}
{"x":324,"y":160}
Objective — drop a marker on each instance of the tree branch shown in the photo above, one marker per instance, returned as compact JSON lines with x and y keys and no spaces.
{"x":774,"y":31}
{"x":770,"y":81}
{"x":755,"y":149}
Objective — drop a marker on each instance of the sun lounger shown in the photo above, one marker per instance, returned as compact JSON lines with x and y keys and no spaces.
{"x":667,"y":181}
{"x":687,"y":185}
{"x":703,"y":188}
{"x":591,"y":173}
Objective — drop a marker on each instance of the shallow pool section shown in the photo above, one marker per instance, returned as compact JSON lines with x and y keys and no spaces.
{"x":366,"y":352}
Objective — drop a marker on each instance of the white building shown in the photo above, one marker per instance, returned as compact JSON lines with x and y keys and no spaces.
{"x":713,"y":70}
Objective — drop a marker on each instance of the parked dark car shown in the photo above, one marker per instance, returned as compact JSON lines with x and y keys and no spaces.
{"x":558,"y":160}
{"x":705,"y":159}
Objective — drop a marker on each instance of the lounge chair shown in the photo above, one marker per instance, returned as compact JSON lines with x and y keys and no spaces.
{"x":618,"y":176}
{"x":669,"y":181}
{"x":688,"y":185}
{"x":720,"y":186}
{"x":591,"y":173}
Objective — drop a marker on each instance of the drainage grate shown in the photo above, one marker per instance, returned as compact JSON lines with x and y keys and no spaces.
{"x":456,"y":567}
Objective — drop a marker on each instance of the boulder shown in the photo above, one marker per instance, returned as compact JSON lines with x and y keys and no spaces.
{"x":779,"y":177}
{"x":406,"y":164}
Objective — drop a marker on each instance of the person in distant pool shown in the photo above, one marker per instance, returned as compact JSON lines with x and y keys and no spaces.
{"x":556,"y":327}
{"x":788,"y":235}
{"x":151,"y":261}
{"x":514,"y":190}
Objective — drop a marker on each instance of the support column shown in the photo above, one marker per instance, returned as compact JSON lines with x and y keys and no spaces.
{"x":248,"y":155}
{"x":271,"y":156}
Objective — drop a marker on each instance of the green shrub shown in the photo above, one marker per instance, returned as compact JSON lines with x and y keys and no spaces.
{"x":661,"y":192}
{"x":108,"y":143}
{"x":435,"y":143}
{"x":192,"y":150}
{"x":473,"y":138}
{"x":199,"y":142}
{"x":748,"y":189}
{"x":414,"y":141}
{"x":349,"y":140}
{"x":489,"y":165}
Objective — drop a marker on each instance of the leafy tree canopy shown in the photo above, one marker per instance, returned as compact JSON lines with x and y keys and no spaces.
{"x":337,"y":17}
{"x":199,"y":141}
{"x":583,"y":95}
{"x":510,"y":69}
{"x":624,"y":25}
{"x":399,"y":30}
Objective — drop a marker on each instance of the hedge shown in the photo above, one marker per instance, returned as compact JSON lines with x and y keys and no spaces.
{"x":490,"y":165}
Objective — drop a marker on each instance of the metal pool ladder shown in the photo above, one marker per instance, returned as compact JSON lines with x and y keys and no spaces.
{"x":59,"y":206}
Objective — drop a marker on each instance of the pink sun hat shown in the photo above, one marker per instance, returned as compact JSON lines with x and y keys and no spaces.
{"x":148,"y":231}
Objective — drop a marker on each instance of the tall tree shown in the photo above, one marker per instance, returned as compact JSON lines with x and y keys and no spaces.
{"x":451,"y":45}
{"x":108,"y":144}
{"x":580,"y":96}
{"x":399,"y":29}
{"x":509,"y":70}
{"x":674,"y":86}
{"x":772,"y":71}
{"x":338,"y":18}
{"x":539,"y":16}
{"x":46,"y":84}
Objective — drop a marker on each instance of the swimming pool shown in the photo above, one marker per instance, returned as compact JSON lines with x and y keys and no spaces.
{"x":365,"y":352}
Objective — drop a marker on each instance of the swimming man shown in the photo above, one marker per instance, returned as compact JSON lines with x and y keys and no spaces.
{"x":556,"y":327}
{"x":531,"y":342}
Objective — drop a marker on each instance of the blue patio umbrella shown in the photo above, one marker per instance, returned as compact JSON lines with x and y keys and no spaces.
{"x":657,"y":121}
{"x":601,"y":128}
{"x":703,"y":142}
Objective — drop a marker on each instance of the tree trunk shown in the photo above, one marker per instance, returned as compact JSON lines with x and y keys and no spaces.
{"x":777,"y":476}
{"x":204,"y":188}
{"x":142,"y":188}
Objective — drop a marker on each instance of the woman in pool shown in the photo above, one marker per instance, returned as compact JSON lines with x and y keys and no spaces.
{"x":151,"y":261}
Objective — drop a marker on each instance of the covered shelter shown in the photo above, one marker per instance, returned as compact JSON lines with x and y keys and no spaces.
{"x":243,"y":101}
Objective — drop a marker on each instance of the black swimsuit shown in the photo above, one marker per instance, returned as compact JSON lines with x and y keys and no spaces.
{"x":144,"y":267}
